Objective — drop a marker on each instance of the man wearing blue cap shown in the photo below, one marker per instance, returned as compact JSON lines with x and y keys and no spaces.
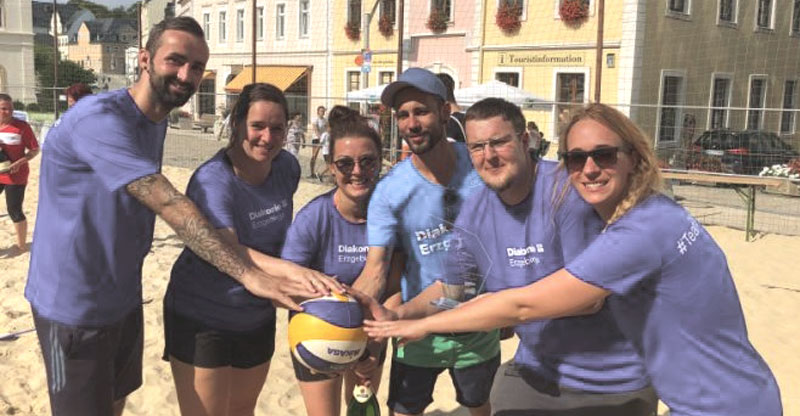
{"x":413,"y":208}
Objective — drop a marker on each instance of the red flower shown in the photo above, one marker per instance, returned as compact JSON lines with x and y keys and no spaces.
{"x":574,"y":12}
{"x":352,"y":31}
{"x":385,"y":26}
{"x":437,"y":21}
{"x":508,"y":15}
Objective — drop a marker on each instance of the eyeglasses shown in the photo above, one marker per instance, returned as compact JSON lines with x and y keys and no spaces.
{"x":449,"y":201}
{"x":367,"y":164}
{"x":604,"y":157}
{"x":494,"y":144}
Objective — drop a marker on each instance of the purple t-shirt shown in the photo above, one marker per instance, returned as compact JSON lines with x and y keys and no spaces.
{"x":501,"y":246}
{"x":259,"y":214}
{"x":321,"y":239}
{"x":91,"y":236}
{"x":676,"y":300}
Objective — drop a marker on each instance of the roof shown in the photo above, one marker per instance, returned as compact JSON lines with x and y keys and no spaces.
{"x":109,"y":29}
{"x":43,"y":12}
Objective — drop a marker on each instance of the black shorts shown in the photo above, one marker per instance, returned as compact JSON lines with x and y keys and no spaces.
{"x":195,"y":343}
{"x":411,"y":387}
{"x":521,"y":392}
{"x":302,"y":373}
{"x":88,"y":369}
{"x":315,"y":140}
{"x":15,"y":196}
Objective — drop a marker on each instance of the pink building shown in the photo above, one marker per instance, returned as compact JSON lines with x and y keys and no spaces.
{"x":450,"y":47}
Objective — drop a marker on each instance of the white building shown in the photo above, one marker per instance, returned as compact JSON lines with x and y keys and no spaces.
{"x":17,"y":77}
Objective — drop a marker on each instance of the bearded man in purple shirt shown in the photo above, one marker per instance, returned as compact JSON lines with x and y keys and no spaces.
{"x":100,"y":189}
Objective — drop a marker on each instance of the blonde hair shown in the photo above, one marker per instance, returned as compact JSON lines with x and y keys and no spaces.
{"x":645,"y":180}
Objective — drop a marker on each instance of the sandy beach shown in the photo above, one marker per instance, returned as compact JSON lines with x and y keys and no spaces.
{"x":766,"y":271}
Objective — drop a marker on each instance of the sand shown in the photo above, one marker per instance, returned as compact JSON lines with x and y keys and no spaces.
{"x":766,"y":274}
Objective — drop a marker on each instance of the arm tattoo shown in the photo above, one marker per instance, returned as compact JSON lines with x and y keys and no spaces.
{"x":158,"y":194}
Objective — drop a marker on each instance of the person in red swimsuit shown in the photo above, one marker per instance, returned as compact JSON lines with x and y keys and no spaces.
{"x":20,"y":146}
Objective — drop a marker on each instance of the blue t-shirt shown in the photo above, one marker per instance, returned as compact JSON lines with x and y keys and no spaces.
{"x":320,"y":238}
{"x":91,"y":236}
{"x":676,"y":300}
{"x":501,"y":246}
{"x":407,"y":209}
{"x":260,"y":215}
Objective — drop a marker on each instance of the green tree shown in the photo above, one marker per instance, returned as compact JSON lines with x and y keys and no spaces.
{"x":68,"y":73}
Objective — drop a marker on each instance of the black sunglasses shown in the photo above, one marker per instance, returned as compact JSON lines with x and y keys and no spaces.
{"x":604,"y":157}
{"x":367,"y":164}
{"x":449,"y":201}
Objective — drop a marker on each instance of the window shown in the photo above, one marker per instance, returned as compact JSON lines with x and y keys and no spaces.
{"x":303,"y":17}
{"x":796,"y":18}
{"x":207,"y":25}
{"x":758,"y":94}
{"x":259,"y":23}
{"x":510,"y":78}
{"x":354,"y":13}
{"x":727,"y":11}
{"x":385,"y":77}
{"x":764,"y":14}
{"x":2,"y":14}
{"x":669,"y":113}
{"x":240,"y":25}
{"x":789,"y":103}
{"x":280,"y":21}
{"x":353,"y":80}
{"x":522,"y":4}
{"x":388,"y":10}
{"x":678,"y":6}
{"x":222,"y":33}
{"x":445,"y":7}
{"x":720,"y":99}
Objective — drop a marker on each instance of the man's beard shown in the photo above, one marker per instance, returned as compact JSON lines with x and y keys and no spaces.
{"x":427,"y":145}
{"x":160,"y":85}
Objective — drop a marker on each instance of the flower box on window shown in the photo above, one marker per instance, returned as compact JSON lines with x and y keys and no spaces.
{"x":353,"y":31}
{"x":437,"y":21}
{"x":508,"y":17}
{"x":386,"y":26}
{"x":574,"y":12}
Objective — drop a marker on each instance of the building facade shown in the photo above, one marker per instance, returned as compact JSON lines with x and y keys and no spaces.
{"x":101,"y":43}
{"x":17,"y":77}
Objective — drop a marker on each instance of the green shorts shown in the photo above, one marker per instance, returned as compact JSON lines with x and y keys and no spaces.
{"x":450,"y":351}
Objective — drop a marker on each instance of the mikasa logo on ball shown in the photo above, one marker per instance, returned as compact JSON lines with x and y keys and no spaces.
{"x":344,"y":353}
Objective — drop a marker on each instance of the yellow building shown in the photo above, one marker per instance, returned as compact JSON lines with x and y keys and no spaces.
{"x":101,"y":43}
{"x":347,"y":72}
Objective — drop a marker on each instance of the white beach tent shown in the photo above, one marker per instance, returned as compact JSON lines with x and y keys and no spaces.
{"x":367,"y":95}
{"x":470,"y":95}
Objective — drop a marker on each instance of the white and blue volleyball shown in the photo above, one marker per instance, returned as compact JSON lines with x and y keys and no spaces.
{"x":327,"y":337}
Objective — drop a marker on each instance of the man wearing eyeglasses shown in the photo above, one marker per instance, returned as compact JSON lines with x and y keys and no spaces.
{"x":525,"y":224}
{"x":413,"y":208}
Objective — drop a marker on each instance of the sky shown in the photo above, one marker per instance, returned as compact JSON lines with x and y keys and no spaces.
{"x":110,"y":3}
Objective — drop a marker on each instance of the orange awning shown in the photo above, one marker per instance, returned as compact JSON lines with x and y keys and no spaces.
{"x":279,"y":76}
{"x":209,"y":75}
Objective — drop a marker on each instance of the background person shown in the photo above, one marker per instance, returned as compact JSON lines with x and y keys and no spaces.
{"x":455,"y":125}
{"x":665,"y":280}
{"x":19,"y":144}
{"x":219,"y":337}
{"x":100,"y":189}
{"x":320,"y":126}
{"x":413,"y":208}
{"x":75,"y":92}
{"x":296,"y":135}
{"x":331,"y":221}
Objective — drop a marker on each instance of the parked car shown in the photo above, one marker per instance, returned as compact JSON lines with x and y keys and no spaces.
{"x":740,"y":152}
{"x":20,"y":115}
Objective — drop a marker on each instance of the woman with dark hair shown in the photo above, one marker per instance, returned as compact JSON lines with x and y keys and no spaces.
{"x":665,"y":280}
{"x":330,"y":235}
{"x":219,"y":337}
{"x":75,"y":92}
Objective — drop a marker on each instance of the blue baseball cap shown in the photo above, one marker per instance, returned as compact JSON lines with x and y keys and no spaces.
{"x":419,"y":78}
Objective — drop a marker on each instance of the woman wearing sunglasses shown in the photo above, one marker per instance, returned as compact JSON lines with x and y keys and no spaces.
{"x":664,"y":278}
{"x":219,"y":337}
{"x":330,"y":235}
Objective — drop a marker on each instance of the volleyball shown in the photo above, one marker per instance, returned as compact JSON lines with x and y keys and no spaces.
{"x":327,"y":337}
